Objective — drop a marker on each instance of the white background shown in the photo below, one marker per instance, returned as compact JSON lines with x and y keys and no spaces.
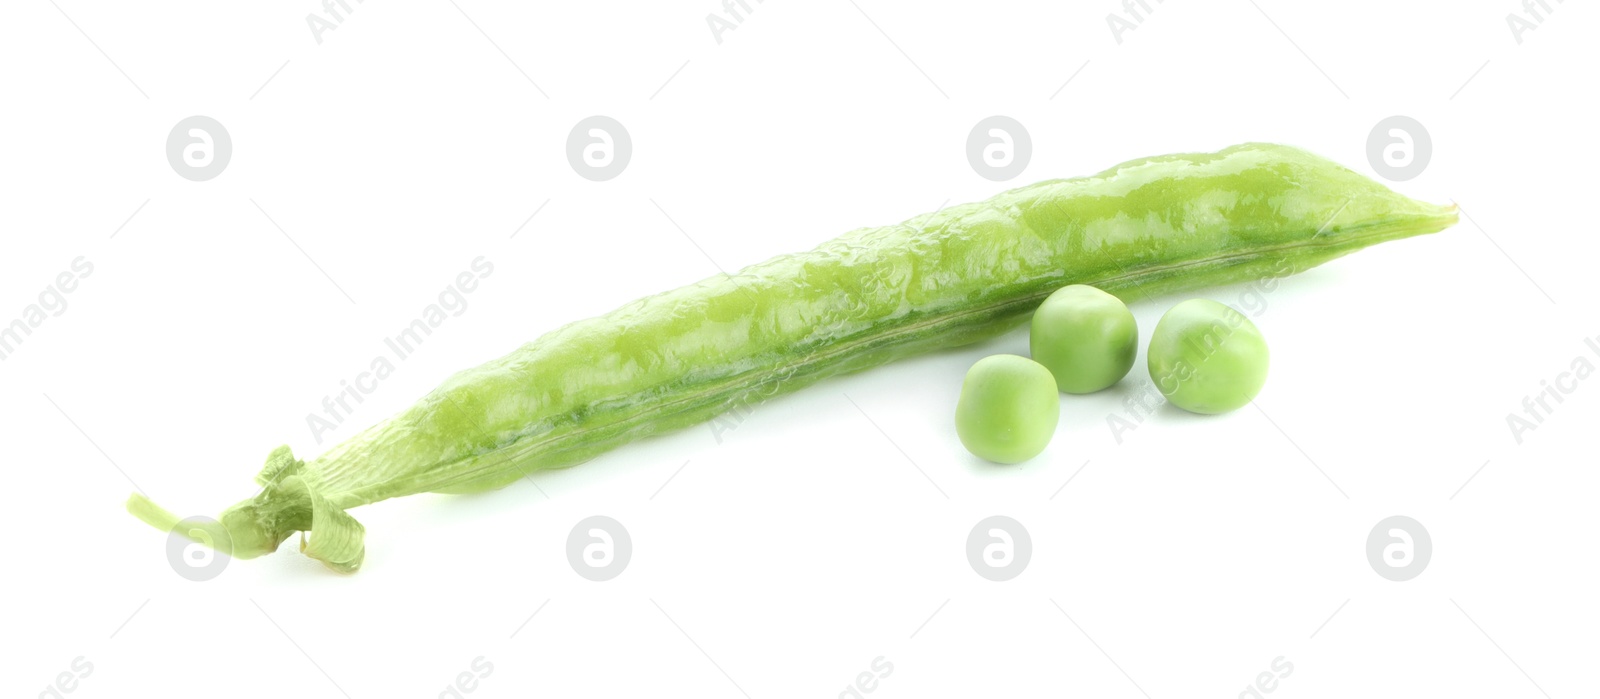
{"x":782,"y":560}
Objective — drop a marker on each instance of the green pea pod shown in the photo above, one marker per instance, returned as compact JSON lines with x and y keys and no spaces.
{"x":969,"y":272}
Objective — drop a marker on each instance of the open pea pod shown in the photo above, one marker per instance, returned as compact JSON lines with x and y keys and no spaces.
{"x":873,"y":295}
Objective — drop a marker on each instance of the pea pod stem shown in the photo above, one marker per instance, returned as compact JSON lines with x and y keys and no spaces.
{"x":201,"y":532}
{"x":1142,"y":229}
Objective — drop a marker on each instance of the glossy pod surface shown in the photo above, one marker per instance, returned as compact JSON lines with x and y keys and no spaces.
{"x":870,"y":296}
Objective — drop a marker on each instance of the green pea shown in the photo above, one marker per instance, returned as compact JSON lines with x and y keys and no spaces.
{"x":1086,"y":337}
{"x":1008,"y":409}
{"x":1207,"y":358}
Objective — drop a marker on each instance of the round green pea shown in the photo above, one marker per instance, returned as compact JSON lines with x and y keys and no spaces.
{"x":1086,"y":337}
{"x":1207,"y":358}
{"x":1008,"y":409}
